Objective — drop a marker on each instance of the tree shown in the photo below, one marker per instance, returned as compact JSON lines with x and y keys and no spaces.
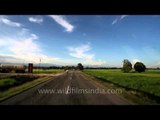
{"x":127,"y":66}
{"x":66,"y":68}
{"x":80,"y":66}
{"x":139,"y":67}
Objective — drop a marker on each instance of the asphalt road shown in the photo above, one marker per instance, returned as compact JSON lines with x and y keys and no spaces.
{"x":72,"y":88}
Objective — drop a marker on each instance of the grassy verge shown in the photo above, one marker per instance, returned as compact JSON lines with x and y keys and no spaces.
{"x":15,"y":90}
{"x":48,"y":71}
{"x":12,"y":81}
{"x":140,"y":87}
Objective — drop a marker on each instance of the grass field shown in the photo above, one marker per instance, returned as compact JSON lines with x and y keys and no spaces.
{"x":12,"y":81}
{"x":148,"y":82}
{"x":48,"y":71}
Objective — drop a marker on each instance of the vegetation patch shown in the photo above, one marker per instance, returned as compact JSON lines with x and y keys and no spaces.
{"x":146,"y":82}
{"x":12,"y":81}
{"x":18,"y":89}
{"x":48,"y":71}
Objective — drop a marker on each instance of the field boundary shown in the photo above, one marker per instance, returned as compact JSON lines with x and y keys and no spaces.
{"x":149,"y":95}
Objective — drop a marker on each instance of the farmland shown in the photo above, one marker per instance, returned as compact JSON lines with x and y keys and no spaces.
{"x":147,"y":82}
{"x":12,"y":81}
{"x":48,"y":71}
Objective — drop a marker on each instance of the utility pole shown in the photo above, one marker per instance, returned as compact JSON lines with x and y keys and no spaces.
{"x":39,"y":62}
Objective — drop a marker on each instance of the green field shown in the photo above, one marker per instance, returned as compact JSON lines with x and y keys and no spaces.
{"x":147,"y":82}
{"x":13,"y":89}
{"x":48,"y":71}
{"x":16,"y":80}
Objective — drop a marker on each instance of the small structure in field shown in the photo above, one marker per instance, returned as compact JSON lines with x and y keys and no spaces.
{"x":30,"y":68}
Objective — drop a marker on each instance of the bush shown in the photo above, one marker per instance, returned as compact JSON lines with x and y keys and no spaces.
{"x":127,"y":66}
{"x":139,"y":67}
{"x":80,"y":66}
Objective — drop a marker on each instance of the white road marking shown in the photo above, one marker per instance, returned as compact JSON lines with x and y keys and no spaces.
{"x":67,"y":90}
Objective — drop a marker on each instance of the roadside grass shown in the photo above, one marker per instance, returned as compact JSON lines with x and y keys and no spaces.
{"x":48,"y":71}
{"x":12,"y":81}
{"x":147,"y":82}
{"x":18,"y":89}
{"x":11,"y":84}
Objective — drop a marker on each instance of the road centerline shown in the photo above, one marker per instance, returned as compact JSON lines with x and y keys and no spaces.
{"x":67,"y":90}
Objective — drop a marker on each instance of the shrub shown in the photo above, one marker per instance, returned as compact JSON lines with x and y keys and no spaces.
{"x":139,"y":67}
{"x":127,"y":66}
{"x":80,"y":66}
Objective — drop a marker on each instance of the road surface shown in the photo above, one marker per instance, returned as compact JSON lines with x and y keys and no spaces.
{"x":70,"y":88}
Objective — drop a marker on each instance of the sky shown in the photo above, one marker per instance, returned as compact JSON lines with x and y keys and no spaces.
{"x":93,"y":40}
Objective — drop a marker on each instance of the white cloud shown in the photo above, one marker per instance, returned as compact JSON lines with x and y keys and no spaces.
{"x":24,"y":47}
{"x":20,"y":49}
{"x":118,"y":19}
{"x":27,"y":50}
{"x":35,"y":20}
{"x":134,"y":61}
{"x":34,"y":58}
{"x":33,"y":36}
{"x":8,"y":22}
{"x":123,"y":16}
{"x":83,"y":57}
{"x":63,"y":22}
{"x":97,"y":63}
{"x":3,"y":43}
{"x":115,"y":21}
{"x":79,"y":52}
{"x":21,"y":46}
{"x":24,"y":50}
{"x":9,"y":59}
{"x":24,"y":31}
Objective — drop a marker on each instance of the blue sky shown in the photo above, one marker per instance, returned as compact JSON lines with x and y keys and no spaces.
{"x":93,"y":40}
